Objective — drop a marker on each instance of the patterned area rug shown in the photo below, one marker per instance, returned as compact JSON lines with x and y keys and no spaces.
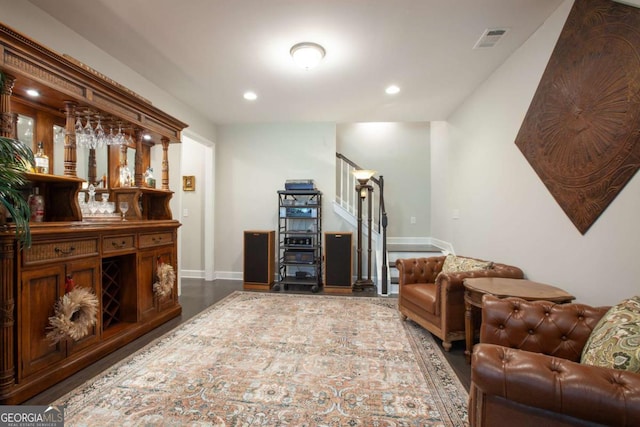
{"x":263,"y":359}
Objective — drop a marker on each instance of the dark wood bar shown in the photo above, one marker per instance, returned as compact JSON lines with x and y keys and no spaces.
{"x":114,"y":255}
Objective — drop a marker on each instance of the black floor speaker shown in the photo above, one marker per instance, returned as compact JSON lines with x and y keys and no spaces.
{"x":338,"y":249}
{"x":259,"y":259}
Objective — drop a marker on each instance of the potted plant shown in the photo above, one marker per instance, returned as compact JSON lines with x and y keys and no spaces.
{"x":14,"y":155}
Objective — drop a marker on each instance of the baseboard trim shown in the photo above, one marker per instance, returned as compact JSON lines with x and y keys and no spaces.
{"x":192,"y":274}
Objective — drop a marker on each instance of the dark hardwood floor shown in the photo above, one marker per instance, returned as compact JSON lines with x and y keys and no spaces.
{"x":197,"y":295}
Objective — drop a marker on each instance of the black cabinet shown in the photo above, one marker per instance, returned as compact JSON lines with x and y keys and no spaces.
{"x":299,"y":239}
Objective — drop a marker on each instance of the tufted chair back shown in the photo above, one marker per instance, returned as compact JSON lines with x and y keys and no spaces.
{"x":538,"y":326}
{"x":421,"y":270}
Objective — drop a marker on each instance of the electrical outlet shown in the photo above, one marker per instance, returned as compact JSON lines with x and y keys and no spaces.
{"x":456,"y":214}
{"x":185,"y":212}
{"x":413,"y":220}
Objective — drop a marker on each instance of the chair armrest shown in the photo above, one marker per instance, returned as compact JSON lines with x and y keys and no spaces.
{"x":418,"y":270}
{"x":596,"y":394}
{"x":559,"y":330}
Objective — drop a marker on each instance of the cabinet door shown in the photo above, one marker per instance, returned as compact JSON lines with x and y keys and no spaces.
{"x":168,"y":257}
{"x":148,"y":302}
{"x":87,"y":274}
{"x":146,"y":276}
{"x":39,"y":292}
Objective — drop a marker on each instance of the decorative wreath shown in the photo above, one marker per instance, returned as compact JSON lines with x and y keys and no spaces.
{"x":166,"y":277}
{"x":75,"y":313}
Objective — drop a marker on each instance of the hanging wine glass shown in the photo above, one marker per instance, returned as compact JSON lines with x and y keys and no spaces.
{"x":110,"y":138}
{"x":89,"y":133}
{"x":99,"y":134}
{"x":119,"y":139}
{"x":79,"y":130}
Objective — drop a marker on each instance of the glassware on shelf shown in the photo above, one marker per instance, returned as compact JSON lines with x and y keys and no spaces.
{"x":124,"y":207}
{"x":92,"y":205}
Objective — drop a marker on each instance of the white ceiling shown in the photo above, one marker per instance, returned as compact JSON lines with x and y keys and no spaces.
{"x":207,"y":53}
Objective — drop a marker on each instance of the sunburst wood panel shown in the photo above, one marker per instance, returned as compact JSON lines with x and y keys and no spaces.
{"x":581,"y":132}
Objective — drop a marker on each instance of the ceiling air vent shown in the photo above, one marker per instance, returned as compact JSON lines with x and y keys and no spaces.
{"x":490,"y":37}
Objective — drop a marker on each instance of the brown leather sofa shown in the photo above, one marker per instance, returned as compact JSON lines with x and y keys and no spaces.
{"x":526,"y":369}
{"x":436,"y":301}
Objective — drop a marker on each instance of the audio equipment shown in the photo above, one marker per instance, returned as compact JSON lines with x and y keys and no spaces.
{"x":259,"y":259}
{"x":338,"y":274}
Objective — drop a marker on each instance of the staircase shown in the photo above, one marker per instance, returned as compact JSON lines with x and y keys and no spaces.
{"x":384,"y":274}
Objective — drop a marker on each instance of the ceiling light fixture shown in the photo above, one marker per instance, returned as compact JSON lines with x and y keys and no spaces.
{"x":250,"y":96}
{"x":33,"y":92}
{"x":307,"y":55}
{"x":392,"y":90}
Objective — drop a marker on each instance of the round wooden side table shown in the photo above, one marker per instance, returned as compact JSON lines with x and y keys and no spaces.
{"x":501,"y":287}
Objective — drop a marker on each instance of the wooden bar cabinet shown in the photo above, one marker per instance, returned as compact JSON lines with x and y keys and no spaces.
{"x":115,"y":257}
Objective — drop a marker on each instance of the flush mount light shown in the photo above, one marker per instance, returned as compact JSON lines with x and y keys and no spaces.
{"x":307,"y":55}
{"x":33,"y":92}
{"x":250,"y":96}
{"x":392,"y":90}
{"x":146,"y":137}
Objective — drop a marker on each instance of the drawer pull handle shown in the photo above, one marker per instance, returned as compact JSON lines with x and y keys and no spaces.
{"x":119,"y":245}
{"x":63,"y":252}
{"x":156,"y":239}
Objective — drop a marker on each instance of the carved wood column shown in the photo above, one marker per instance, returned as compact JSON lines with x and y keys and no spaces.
{"x":7,"y":317}
{"x":137,"y":173}
{"x":93,"y":167}
{"x":165,"y":163}
{"x":7,"y":118}
{"x":70,"y":154}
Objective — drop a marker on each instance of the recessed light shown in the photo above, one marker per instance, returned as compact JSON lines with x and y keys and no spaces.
{"x":33,"y":92}
{"x":250,"y":96}
{"x":392,"y":90}
{"x":146,"y":137}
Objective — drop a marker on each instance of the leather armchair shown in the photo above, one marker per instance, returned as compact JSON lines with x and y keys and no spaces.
{"x":526,"y":369}
{"x":436,"y":301}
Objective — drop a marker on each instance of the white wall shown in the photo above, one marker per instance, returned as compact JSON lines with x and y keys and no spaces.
{"x":253,"y":161}
{"x":506,"y":212}
{"x":191,"y":213}
{"x":400,"y":152}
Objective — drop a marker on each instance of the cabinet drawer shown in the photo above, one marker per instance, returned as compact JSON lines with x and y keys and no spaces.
{"x":155,"y":239}
{"x":60,"y":250}
{"x":118,"y":243}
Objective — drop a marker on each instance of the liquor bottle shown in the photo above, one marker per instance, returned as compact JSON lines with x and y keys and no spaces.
{"x":36,"y":205}
{"x":149,"y":180}
{"x":41,"y":160}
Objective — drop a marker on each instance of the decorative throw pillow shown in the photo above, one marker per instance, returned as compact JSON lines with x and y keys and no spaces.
{"x":615,"y":341}
{"x":454,"y":264}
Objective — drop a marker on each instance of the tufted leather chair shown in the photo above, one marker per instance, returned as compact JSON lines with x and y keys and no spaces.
{"x":526,"y":369}
{"x":436,"y":301}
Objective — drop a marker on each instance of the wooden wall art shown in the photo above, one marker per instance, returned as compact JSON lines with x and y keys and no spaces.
{"x":581,"y":133}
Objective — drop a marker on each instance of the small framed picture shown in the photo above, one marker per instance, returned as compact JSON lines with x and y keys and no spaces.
{"x":189,"y":183}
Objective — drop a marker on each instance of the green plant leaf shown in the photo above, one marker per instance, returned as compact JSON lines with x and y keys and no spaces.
{"x":15,"y":157}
